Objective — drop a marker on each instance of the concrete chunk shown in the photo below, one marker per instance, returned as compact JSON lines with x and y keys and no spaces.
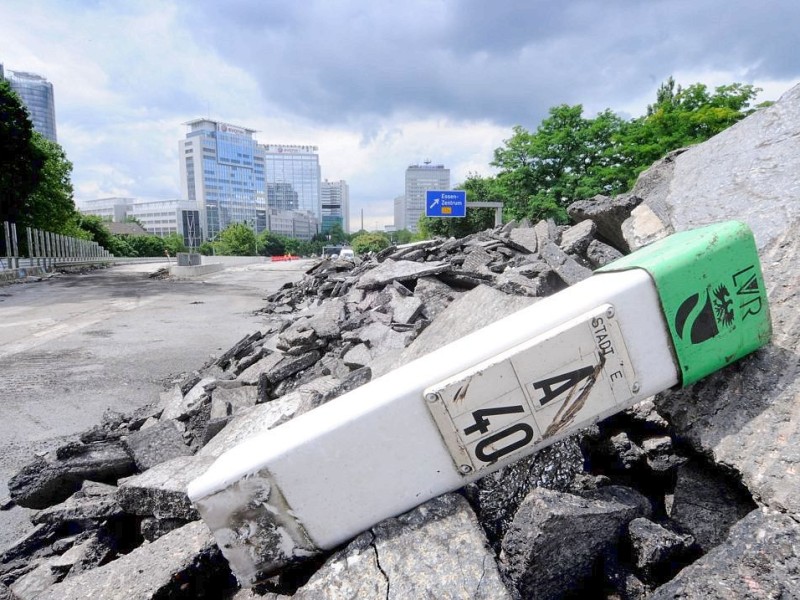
{"x":249,"y":422}
{"x":161,"y":491}
{"x":555,"y":538}
{"x":565,"y":266}
{"x":401,"y":270}
{"x":435,"y":551}
{"x":183,"y":408}
{"x":156,"y":444}
{"x":182,"y":561}
{"x":525,"y":237}
{"x":92,"y":501}
{"x":43,"y":483}
{"x":577,"y":238}
{"x":759,"y":559}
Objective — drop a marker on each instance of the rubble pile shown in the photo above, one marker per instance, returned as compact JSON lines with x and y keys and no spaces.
{"x":113,"y":498}
{"x":692,"y":494}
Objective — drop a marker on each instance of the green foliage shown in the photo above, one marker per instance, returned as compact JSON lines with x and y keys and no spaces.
{"x":173,"y":243}
{"x":402,"y":236}
{"x":21,"y":161}
{"x":50,"y":206}
{"x":271,"y":244}
{"x":236,"y":240}
{"x":571,"y":157}
{"x":370,"y":242}
{"x":206,"y":249}
{"x":145,"y":245}
{"x":335,"y":235}
{"x":98,"y":232}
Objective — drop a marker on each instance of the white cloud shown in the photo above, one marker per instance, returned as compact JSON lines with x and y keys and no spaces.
{"x":377,"y":87}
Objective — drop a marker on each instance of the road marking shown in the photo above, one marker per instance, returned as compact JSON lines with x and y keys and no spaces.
{"x":72,"y":324}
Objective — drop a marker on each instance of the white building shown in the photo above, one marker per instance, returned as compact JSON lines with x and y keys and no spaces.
{"x":420,"y":179}
{"x":400,"y":213}
{"x":113,"y":209}
{"x":335,"y":205}
{"x":299,"y":224}
{"x":158,"y":217}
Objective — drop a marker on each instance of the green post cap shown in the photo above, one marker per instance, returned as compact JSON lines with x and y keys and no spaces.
{"x":712,"y":293}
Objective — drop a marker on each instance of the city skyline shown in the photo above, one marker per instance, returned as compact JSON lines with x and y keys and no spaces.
{"x":376,"y":87}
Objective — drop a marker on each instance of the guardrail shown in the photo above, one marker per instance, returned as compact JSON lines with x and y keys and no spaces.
{"x":45,"y":249}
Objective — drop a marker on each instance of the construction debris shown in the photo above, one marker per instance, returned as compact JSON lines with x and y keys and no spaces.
{"x":692,"y":494}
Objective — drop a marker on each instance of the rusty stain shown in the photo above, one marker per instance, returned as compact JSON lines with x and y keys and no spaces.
{"x":568,"y":411}
{"x":462,"y":392}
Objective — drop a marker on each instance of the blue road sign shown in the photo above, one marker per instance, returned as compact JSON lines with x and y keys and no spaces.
{"x":451,"y":203}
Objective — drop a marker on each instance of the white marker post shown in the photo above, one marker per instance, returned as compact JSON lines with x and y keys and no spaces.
{"x":664,"y":316}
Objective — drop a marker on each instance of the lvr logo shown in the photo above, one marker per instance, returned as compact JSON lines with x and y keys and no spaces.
{"x":702,"y":322}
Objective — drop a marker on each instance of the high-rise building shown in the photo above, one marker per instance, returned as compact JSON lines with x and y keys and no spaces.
{"x":335,"y":205}
{"x":222,"y":171}
{"x":36,"y":94}
{"x":234,"y":179}
{"x":292,"y":176}
{"x":399,"y":213}
{"x":420,"y":179}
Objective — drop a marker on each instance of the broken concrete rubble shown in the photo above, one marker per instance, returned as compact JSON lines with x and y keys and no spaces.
{"x":349,"y":322}
{"x":555,"y":539}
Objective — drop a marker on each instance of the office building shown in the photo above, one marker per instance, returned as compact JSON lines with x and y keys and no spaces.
{"x":335,"y":205}
{"x":234,"y":179}
{"x":420,"y":179}
{"x":222,"y":171}
{"x":163,"y":217}
{"x":299,"y":224}
{"x":399,"y":213}
{"x":292,"y":176}
{"x":157,"y":217}
{"x":36,"y":94}
{"x":113,"y":209}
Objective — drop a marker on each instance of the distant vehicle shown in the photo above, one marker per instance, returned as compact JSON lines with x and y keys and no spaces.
{"x":338,"y":252}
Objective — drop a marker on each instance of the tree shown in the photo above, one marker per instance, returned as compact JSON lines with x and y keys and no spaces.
{"x":271,"y":244}
{"x":335,"y":235}
{"x":370,"y":242}
{"x":50,"y":205}
{"x":21,"y":160}
{"x":145,"y":245}
{"x":402,"y":236}
{"x":236,"y":240}
{"x":98,"y":232}
{"x":173,"y":242}
{"x":570,"y":157}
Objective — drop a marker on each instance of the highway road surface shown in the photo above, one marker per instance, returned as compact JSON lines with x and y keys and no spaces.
{"x":73,"y":346}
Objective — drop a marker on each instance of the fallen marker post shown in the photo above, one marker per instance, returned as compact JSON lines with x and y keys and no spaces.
{"x":666,"y":315}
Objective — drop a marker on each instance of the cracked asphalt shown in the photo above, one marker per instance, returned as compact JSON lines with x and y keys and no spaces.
{"x":73,"y":346}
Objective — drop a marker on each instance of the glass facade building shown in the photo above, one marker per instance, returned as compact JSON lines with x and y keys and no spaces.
{"x":234,"y":179}
{"x":335,"y":205}
{"x":36,"y":94}
{"x":420,"y":179}
{"x":293,"y":177}
{"x":222,"y":171}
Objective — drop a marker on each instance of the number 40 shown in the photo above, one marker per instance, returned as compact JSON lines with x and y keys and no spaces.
{"x":482,"y":426}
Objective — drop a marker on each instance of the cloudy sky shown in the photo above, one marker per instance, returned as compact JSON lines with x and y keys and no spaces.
{"x":376,"y":85}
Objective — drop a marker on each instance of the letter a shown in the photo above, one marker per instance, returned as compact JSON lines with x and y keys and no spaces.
{"x":566,"y":380}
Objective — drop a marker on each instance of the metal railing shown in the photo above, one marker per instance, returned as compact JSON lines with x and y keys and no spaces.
{"x":46,"y":249}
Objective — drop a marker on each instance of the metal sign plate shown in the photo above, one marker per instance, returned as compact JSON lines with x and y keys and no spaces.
{"x":559,"y":381}
{"x":448,"y":203}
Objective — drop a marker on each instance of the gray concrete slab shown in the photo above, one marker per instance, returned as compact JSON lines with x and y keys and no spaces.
{"x":73,"y":346}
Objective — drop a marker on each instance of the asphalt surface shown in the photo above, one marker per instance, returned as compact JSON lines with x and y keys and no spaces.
{"x":73,"y":346}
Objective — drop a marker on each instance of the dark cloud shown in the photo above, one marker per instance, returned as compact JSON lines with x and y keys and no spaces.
{"x":502,"y":61}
